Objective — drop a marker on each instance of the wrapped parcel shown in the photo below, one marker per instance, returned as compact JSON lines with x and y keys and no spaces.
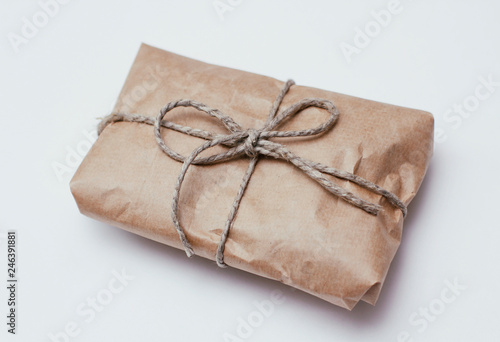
{"x":287,"y":227}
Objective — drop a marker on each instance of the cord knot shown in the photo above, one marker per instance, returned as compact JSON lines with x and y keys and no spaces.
{"x":251,"y":142}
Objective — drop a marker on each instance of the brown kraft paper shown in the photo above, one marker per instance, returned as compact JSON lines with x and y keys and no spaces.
{"x":288,"y":228}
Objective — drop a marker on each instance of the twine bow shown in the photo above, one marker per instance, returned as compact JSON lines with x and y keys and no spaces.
{"x":253,"y":143}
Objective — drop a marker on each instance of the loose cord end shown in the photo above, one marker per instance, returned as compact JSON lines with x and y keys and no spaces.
{"x":189,"y":251}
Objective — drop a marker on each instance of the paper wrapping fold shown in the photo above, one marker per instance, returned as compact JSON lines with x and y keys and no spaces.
{"x":288,"y":228}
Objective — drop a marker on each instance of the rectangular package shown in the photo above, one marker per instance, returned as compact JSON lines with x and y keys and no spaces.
{"x":288,"y":227}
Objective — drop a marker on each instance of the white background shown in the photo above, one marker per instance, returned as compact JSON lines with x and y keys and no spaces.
{"x":430,"y":56}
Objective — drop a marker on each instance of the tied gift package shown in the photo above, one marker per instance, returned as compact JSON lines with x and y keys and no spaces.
{"x":322,"y":210}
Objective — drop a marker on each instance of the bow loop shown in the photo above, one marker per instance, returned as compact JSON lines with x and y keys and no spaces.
{"x":298,"y":107}
{"x":230,"y":140}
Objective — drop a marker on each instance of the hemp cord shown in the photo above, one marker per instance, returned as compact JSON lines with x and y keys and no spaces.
{"x":253,"y":143}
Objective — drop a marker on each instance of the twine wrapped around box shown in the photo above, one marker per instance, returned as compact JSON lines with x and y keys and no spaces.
{"x":253,"y":142}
